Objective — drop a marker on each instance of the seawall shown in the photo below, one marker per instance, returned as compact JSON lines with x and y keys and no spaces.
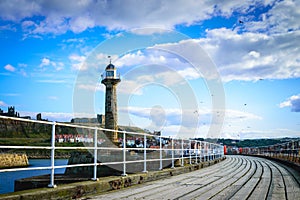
{"x":13,"y":160}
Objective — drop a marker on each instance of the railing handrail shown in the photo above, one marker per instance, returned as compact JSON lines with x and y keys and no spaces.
{"x":178,"y":148}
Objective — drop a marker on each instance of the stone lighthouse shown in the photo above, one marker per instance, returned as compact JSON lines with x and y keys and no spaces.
{"x":110,"y":79}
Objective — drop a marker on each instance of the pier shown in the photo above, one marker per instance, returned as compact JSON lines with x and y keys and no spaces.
{"x":237,"y":177}
{"x":171,"y":168}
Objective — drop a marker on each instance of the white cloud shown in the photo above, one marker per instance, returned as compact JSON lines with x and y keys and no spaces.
{"x":154,"y":64}
{"x":282,"y":18}
{"x":58,"y":116}
{"x":149,"y":30}
{"x":253,"y":56}
{"x":45,"y":62}
{"x":246,"y":56}
{"x":61,"y":16}
{"x":188,"y":122}
{"x":2,"y":103}
{"x":17,"y":10}
{"x":8,"y":27}
{"x":81,"y":23}
{"x":91,"y":87}
{"x":237,"y":56}
{"x":293,"y":102}
{"x":10,"y":68}
{"x":160,"y":118}
{"x":78,"y":62}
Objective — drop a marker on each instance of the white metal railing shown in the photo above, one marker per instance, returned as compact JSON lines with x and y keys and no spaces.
{"x":289,"y":150}
{"x":180,"y":149}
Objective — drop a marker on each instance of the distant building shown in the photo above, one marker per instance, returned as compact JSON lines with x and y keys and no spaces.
{"x":100,"y":119}
{"x":12,"y":113}
{"x":39,"y":116}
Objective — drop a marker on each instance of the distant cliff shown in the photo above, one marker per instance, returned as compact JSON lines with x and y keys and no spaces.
{"x":21,"y":129}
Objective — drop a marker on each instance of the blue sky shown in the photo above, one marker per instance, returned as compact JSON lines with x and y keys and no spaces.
{"x":189,"y":68}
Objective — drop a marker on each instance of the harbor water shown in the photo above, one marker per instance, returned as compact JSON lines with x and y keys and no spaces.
{"x":7,"y":179}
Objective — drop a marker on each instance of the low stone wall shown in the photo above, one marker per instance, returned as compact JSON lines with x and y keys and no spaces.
{"x":81,"y":190}
{"x":13,"y":160}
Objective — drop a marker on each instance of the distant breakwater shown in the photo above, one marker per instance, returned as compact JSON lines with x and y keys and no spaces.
{"x":13,"y":160}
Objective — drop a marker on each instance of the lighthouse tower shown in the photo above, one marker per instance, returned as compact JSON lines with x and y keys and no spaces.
{"x":110,"y":79}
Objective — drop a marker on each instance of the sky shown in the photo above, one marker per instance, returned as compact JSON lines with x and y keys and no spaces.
{"x":222,"y":69}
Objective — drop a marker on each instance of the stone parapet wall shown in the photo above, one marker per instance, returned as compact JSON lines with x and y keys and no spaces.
{"x":13,"y":160}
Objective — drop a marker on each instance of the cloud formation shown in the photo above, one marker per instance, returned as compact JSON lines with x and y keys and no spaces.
{"x":249,"y":56}
{"x":10,"y":68}
{"x":2,"y":103}
{"x":293,"y":102}
{"x":58,"y":17}
{"x":45,"y":62}
{"x":253,"y":56}
{"x":263,"y":47}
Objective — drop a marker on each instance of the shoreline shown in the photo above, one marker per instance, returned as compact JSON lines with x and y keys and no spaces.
{"x":48,"y":157}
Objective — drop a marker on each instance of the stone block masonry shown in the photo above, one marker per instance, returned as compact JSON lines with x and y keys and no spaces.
{"x":13,"y":160}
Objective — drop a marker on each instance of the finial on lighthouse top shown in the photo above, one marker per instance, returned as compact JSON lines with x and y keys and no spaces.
{"x":110,"y":66}
{"x":109,"y":59}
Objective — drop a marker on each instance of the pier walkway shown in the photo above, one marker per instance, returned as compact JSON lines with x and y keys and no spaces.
{"x":237,"y":177}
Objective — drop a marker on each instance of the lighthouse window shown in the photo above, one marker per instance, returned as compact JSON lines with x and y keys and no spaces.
{"x":110,"y":74}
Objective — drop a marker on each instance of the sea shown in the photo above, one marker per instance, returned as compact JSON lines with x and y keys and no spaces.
{"x":7,"y":179}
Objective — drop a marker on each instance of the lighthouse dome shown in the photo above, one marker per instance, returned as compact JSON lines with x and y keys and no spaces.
{"x":110,"y":67}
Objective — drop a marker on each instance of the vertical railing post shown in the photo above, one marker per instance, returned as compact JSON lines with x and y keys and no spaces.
{"x":145,"y":154}
{"x":124,"y":154}
{"x":190,"y":151}
{"x":209,"y":152}
{"x":200,"y":152}
{"x":196,"y":151}
{"x":205,"y":152}
{"x":52,"y":156}
{"x":160,"y":154}
{"x":222,"y":151}
{"x":172,"y":153}
{"x":95,"y":154}
{"x":293,"y":150}
{"x":182,"y":151}
{"x":214,"y":152}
